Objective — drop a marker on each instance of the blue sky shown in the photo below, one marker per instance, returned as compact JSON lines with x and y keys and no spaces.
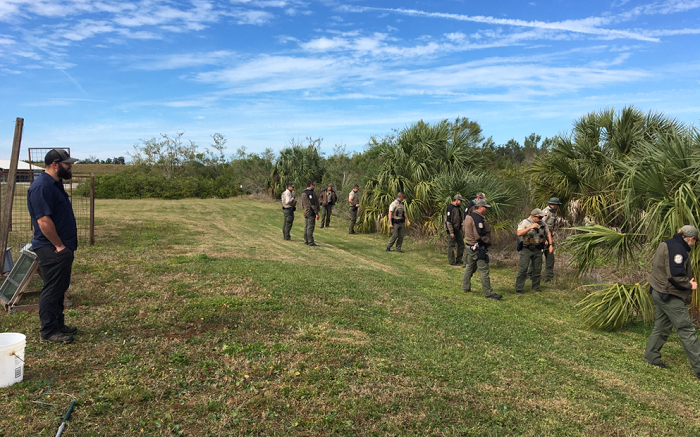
{"x":97,"y":76}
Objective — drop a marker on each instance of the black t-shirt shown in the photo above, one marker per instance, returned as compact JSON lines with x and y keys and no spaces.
{"x":46,"y":197}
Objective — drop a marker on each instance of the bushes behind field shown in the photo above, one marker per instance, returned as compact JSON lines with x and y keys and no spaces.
{"x":135,"y":182}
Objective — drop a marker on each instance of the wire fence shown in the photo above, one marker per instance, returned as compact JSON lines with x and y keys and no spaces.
{"x":21,"y":230}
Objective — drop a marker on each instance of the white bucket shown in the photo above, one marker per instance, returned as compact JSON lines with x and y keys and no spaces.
{"x":11,"y":358}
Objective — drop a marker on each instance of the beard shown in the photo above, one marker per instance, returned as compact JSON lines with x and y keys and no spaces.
{"x":64,"y":173}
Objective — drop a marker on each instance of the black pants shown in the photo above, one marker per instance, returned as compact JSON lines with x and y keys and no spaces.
{"x":55,"y":271}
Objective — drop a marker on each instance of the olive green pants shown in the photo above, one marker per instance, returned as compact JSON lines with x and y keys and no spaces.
{"x":309,"y":229}
{"x":474,"y":264}
{"x":528,"y":256}
{"x":326,"y":212}
{"x":548,"y":266}
{"x":353,"y":219}
{"x":397,"y":233}
{"x":457,"y":242}
{"x":672,"y":314}
{"x":288,"y":220}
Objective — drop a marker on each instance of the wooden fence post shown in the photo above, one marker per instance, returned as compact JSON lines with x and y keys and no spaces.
{"x":92,"y":209}
{"x":10,"y":194}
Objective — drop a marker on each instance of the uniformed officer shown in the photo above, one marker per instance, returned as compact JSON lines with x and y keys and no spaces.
{"x":477,"y":234}
{"x":354,"y":201}
{"x":533,"y":233}
{"x":469,"y":207}
{"x":289,"y":204}
{"x":671,"y":285}
{"x":397,"y":221}
{"x":453,"y":226}
{"x":327,"y":199}
{"x":550,"y":217}
{"x":309,"y":201}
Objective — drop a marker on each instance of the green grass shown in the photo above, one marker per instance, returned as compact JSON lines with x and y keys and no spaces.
{"x":197,"y":319}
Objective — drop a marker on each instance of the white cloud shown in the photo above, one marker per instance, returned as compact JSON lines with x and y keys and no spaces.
{"x":277,"y":73}
{"x":590,"y":25}
{"x":178,"y":61}
{"x":456,"y":36}
{"x":251,"y":16}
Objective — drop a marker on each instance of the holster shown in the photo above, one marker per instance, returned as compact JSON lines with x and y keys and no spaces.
{"x":519,"y":247}
{"x":482,"y":253}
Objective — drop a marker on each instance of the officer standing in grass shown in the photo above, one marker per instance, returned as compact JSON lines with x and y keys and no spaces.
{"x":328,"y":198}
{"x":671,"y":285}
{"x":477,"y":234}
{"x":289,"y":204}
{"x":533,"y":233}
{"x":550,"y":217}
{"x":354,"y":202}
{"x":453,"y":226}
{"x":55,"y":240}
{"x":397,"y":221}
{"x":309,"y":201}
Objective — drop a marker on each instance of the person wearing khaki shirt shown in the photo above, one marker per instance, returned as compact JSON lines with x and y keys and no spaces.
{"x":533,"y":233}
{"x":289,"y":204}
{"x":549,"y":217}
{"x":354,"y":201}
{"x":671,"y":286}
{"x":397,"y":222}
{"x":477,"y":236}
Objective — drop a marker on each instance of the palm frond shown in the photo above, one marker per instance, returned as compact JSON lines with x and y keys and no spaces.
{"x":610,"y":308}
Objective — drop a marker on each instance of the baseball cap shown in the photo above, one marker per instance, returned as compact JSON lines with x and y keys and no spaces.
{"x":481,"y":202}
{"x":458,"y":197}
{"x":481,"y":195}
{"x":689,"y":231}
{"x":554,"y":201}
{"x":58,"y":155}
{"x":537,"y":212}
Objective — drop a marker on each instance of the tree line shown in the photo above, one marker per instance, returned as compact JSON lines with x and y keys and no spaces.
{"x":632,"y":178}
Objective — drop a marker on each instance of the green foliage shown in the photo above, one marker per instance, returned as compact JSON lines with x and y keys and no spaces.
{"x":587,"y":166}
{"x":637,"y":176}
{"x":612,"y":307}
{"x":137,"y":182}
{"x":297,"y":164}
{"x":501,"y":194}
{"x":252,"y":171}
{"x":595,"y":242}
{"x":426,"y":162}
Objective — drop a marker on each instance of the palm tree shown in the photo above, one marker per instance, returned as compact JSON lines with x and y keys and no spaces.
{"x":413,"y":161}
{"x":296,"y":164}
{"x":653,"y":186}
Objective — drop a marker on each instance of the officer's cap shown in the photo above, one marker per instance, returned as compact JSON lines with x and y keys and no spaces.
{"x":481,"y":202}
{"x":537,"y":212}
{"x":458,"y":197}
{"x":554,"y":201}
{"x":689,"y":231}
{"x":480,"y":196}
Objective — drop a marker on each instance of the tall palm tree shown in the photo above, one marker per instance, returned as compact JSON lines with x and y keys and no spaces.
{"x":654,"y":181}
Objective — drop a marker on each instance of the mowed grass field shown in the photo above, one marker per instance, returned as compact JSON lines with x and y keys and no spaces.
{"x":197,"y":319}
